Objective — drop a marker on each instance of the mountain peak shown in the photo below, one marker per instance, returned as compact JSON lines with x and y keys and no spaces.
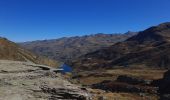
{"x":165,"y":24}
{"x":155,"y":33}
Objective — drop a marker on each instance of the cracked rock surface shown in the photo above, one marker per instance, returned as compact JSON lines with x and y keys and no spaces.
{"x":28,"y":81}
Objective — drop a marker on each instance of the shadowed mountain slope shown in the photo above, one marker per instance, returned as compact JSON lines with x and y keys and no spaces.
{"x":149,"y":48}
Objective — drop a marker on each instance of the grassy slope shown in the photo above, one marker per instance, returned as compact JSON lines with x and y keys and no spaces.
{"x":11,"y":51}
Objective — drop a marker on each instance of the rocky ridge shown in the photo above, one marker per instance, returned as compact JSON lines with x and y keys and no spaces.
{"x":29,"y":81}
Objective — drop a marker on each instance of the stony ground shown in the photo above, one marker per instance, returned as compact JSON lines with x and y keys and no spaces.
{"x":89,"y":78}
{"x":28,"y":81}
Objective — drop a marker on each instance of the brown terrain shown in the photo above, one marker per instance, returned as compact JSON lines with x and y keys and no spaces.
{"x":122,"y":84}
{"x":135,"y":68}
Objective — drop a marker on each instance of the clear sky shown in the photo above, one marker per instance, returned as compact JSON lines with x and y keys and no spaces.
{"x":26,"y":20}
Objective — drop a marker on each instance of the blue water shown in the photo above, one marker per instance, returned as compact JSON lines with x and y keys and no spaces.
{"x":66,"y":68}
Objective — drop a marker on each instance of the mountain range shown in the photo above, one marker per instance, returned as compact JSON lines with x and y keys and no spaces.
{"x":69,"y":48}
{"x":131,"y":63}
{"x":149,"y":48}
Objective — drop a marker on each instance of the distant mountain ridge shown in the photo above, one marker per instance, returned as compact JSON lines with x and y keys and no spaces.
{"x":67,"y":49}
{"x":149,"y":48}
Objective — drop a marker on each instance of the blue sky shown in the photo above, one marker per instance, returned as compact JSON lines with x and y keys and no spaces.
{"x":26,"y":20}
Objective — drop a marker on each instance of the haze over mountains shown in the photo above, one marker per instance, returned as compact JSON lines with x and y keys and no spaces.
{"x":67,"y":49}
{"x":149,"y":48}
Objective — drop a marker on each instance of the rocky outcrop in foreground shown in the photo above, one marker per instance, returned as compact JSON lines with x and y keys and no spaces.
{"x":28,"y":81}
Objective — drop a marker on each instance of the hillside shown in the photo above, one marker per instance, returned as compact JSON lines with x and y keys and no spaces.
{"x":66,"y":49}
{"x":150,"y":48}
{"x":11,"y":51}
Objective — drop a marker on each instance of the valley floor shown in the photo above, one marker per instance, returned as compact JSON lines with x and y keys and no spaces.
{"x":104,"y":82}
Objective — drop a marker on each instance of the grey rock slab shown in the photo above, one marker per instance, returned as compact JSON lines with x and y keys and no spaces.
{"x":27,"y":81}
